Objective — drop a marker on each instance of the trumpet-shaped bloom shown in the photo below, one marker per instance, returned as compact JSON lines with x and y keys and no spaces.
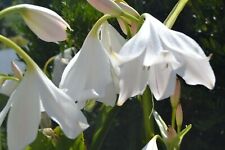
{"x":45,"y":23}
{"x":152,"y":145}
{"x":91,"y":71}
{"x":24,"y":115}
{"x":161,"y":54}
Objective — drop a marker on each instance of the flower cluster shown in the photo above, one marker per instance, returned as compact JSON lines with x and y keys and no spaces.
{"x":107,"y":65}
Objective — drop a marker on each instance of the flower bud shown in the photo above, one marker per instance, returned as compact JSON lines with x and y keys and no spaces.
{"x":45,"y":23}
{"x":106,"y":6}
{"x":16,"y":70}
{"x":175,"y":98}
{"x":179,"y":115}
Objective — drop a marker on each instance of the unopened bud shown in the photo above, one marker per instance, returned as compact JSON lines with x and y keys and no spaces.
{"x":175,"y":98}
{"x":128,"y":9}
{"x":179,"y":115}
{"x":16,"y":70}
{"x":106,"y":6}
{"x":171,"y":133}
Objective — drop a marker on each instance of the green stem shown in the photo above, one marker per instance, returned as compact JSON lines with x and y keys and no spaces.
{"x":97,"y":25}
{"x":170,"y":20}
{"x":10,"y":10}
{"x":147,"y":107}
{"x":173,"y":120}
{"x":131,"y":17}
{"x":101,"y":133}
{"x":30,"y":63}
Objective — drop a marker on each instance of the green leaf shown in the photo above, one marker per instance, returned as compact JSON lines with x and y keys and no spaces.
{"x":161,"y":124}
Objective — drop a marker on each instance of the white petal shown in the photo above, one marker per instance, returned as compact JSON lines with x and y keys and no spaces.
{"x":197,"y":71}
{"x":61,"y":108}
{"x":106,"y":6}
{"x":45,"y":23}
{"x":152,"y":145}
{"x":8,"y":87}
{"x":162,"y":80}
{"x":187,"y":51}
{"x":133,"y":79}
{"x":24,"y":116}
{"x":90,"y":70}
{"x":5,"y":110}
{"x":133,"y":75}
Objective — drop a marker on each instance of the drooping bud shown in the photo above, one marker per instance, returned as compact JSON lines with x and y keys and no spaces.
{"x":179,"y":115}
{"x":128,"y":9}
{"x":45,"y":23}
{"x":175,"y":98}
{"x":106,"y":6}
{"x":16,"y":70}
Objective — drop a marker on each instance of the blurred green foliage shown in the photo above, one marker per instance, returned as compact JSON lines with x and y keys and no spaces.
{"x":205,"y":110}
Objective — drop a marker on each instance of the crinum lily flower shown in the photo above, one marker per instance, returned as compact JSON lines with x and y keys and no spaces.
{"x":45,"y":23}
{"x":159,"y":54}
{"x":91,"y":70}
{"x":24,"y":106}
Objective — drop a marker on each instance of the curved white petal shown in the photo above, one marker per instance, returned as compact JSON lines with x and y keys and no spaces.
{"x":61,"y":108}
{"x":162,"y":80}
{"x":5,"y":110}
{"x":24,"y":115}
{"x":187,"y":52}
{"x":133,"y":75}
{"x":45,"y":23}
{"x":152,"y":145}
{"x":106,"y":6}
{"x":89,"y":70}
{"x":133,"y":78}
{"x":8,"y":87}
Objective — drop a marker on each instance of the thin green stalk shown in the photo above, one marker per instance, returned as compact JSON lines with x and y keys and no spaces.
{"x":30,"y":63}
{"x":173,"y":120}
{"x":131,"y":17}
{"x":170,"y":20}
{"x":10,"y":10}
{"x":147,"y":107}
{"x":97,"y":25}
{"x":101,"y":133}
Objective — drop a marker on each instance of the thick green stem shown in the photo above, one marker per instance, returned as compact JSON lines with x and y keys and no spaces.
{"x":173,"y":120}
{"x":147,"y":107}
{"x":30,"y":63}
{"x":101,"y":132}
{"x":170,"y":20}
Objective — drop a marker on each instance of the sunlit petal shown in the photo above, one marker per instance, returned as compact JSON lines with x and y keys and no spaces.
{"x":24,"y":115}
{"x":45,"y":23}
{"x":61,"y":108}
{"x":152,"y":145}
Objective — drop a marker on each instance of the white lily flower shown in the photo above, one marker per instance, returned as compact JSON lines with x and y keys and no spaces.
{"x":152,"y":145}
{"x":91,"y":70}
{"x":45,"y":23}
{"x":161,"y":54}
{"x":25,"y":110}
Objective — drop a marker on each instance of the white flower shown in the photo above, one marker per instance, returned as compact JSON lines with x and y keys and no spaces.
{"x":90,"y":74}
{"x":158,"y":55}
{"x":152,"y":145}
{"x":45,"y":23}
{"x":25,"y":112}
